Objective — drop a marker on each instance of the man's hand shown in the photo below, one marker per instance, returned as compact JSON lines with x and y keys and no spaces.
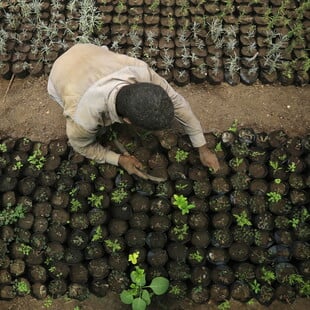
{"x":132,"y":165}
{"x":208,"y":158}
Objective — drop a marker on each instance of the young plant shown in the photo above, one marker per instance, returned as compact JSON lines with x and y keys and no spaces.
{"x":48,"y":302}
{"x":242,"y":219}
{"x":180,"y":231}
{"x":3,"y":147}
{"x":292,"y":167}
{"x":95,"y":200}
{"x":180,"y":155}
{"x":274,"y":197}
{"x":196,"y":256}
{"x":133,"y":257}
{"x":138,"y":296}
{"x":225,"y":305}
{"x":181,"y":202}
{"x":36,"y":159}
{"x":9,"y":216}
{"x":98,"y":234}
{"x":119,"y":195}
{"x":17,"y":166}
{"x":75,"y":205}
{"x":255,"y":286}
{"x":268,"y":276}
{"x":24,"y":248}
{"x":275,"y":165}
{"x":234,"y":126}
{"x":21,"y":287}
{"x":114,"y":246}
{"x":218,"y":147}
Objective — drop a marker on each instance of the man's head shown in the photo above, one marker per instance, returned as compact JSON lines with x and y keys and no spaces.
{"x":145,"y":105}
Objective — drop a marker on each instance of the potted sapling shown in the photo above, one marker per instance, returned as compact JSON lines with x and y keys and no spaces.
{"x":139,"y":295}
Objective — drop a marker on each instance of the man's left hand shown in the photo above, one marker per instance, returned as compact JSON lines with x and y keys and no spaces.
{"x":208,"y":158}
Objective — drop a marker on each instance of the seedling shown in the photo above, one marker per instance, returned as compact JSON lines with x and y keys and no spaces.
{"x":36,"y":159}
{"x":119,"y":195}
{"x":268,"y":275}
{"x":48,"y":302}
{"x":21,"y":287}
{"x":277,"y":181}
{"x":242,"y":219}
{"x":255,"y":286}
{"x":3,"y":147}
{"x":133,"y":258}
{"x":9,"y":216}
{"x":17,"y":166}
{"x":181,"y":231}
{"x":234,"y":126}
{"x":275,"y":165}
{"x":274,"y":197}
{"x":294,"y":222}
{"x":196,"y":256}
{"x":236,"y":162}
{"x":114,"y":246}
{"x":218,"y":147}
{"x":93,"y":177}
{"x":95,"y":200}
{"x":180,"y":187}
{"x":76,"y":205}
{"x":98,"y":234}
{"x":138,"y":296}
{"x":181,"y":202}
{"x":180,"y":155}
{"x":24,"y":248}
{"x":292,"y":167}
{"x":294,"y":279}
{"x":225,"y":305}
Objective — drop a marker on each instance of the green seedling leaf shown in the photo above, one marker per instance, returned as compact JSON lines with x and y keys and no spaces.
{"x":159,"y":285}
{"x":146,"y":296}
{"x":126,"y":297}
{"x":138,"y":304}
{"x":138,"y":276}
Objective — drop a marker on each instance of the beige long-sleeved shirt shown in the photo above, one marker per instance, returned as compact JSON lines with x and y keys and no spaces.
{"x":85,"y":81}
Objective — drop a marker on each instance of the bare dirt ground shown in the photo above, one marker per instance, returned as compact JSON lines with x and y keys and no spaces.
{"x":27,"y":111}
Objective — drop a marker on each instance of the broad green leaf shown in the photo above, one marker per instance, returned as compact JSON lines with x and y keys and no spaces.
{"x":159,"y":285}
{"x":138,"y":304}
{"x":138,"y":276}
{"x":126,"y":297}
{"x":146,"y":296}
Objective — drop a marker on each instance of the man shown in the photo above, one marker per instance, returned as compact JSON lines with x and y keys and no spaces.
{"x":97,"y":87}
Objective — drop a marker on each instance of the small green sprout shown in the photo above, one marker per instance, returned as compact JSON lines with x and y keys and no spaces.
{"x":17,"y":166}
{"x":181,"y":231}
{"x":294,"y":279}
{"x":268,"y":276}
{"x":242,"y":219}
{"x":292,"y":167}
{"x":181,"y":202}
{"x":24,"y":248}
{"x":133,"y":258}
{"x":21,"y":287}
{"x":180,"y":155}
{"x":277,"y":181}
{"x":36,"y":159}
{"x":218,"y":147}
{"x":225,"y":305}
{"x":119,"y":195}
{"x":95,"y":200}
{"x":294,"y":222}
{"x":234,"y":126}
{"x":9,"y":216}
{"x":274,"y":196}
{"x":93,"y":177}
{"x":196,"y":256}
{"x":76,"y":205}
{"x":98,"y":234}
{"x":48,"y":302}
{"x":113,"y":245}
{"x":255,"y":286}
{"x":3,"y":147}
{"x":275,"y":165}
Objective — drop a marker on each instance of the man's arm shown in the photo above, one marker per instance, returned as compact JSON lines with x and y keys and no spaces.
{"x":85,"y":143}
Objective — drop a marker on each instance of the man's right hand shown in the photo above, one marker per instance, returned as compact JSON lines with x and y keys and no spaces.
{"x":132,"y":165}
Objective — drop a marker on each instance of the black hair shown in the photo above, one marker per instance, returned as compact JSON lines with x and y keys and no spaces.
{"x":146,"y":105}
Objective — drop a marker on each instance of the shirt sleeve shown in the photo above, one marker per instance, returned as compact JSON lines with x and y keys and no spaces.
{"x":85,"y":143}
{"x":183,"y":111}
